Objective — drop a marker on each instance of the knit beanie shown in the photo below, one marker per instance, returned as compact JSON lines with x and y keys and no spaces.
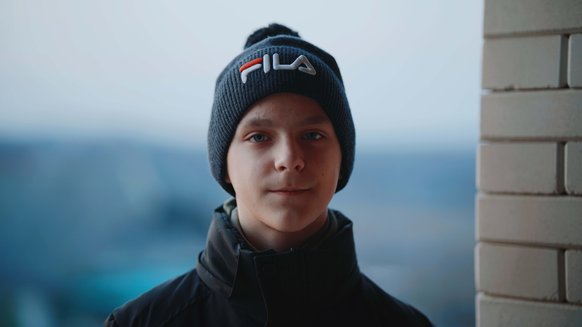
{"x":276,"y":59}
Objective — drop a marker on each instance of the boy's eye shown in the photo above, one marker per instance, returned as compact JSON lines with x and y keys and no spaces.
{"x":257,"y":138}
{"x":313,"y":136}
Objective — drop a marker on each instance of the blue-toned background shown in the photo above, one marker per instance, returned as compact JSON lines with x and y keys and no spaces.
{"x":105,"y":189}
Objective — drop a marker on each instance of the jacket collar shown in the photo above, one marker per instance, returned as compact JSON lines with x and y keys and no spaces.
{"x":315,"y":275}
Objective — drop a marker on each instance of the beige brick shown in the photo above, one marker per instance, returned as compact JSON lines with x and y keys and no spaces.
{"x":504,"y":17}
{"x":518,"y":271}
{"x":493,"y":311}
{"x":574,"y":276}
{"x":575,"y":61}
{"x":524,"y":62}
{"x":573,"y":171}
{"x":541,"y":220}
{"x":532,"y":115}
{"x":519,"y":168}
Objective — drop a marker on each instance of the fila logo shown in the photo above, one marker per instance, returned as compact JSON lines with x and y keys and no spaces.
{"x":301,"y":64}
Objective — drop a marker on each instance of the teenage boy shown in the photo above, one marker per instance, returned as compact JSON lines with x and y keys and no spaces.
{"x":281,"y":141}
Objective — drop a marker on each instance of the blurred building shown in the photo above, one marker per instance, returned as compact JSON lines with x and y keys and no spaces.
{"x":529,"y":207}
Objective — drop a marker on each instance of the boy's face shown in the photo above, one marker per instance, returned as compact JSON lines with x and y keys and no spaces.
{"x":284,"y":163}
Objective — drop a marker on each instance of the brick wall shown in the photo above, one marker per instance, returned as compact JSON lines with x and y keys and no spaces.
{"x":528,"y":257}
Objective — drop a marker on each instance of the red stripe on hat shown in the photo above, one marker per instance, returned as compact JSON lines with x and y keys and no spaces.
{"x":250,"y":63}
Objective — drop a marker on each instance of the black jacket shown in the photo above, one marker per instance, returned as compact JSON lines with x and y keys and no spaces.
{"x":235,"y":286}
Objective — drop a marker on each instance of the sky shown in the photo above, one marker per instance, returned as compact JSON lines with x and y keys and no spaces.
{"x":146,"y":70}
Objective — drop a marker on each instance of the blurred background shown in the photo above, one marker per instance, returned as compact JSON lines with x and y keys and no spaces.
{"x":105,"y":189}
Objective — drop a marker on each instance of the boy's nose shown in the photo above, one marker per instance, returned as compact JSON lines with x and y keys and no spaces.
{"x":289,"y":156}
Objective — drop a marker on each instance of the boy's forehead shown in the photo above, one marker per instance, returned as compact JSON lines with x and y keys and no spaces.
{"x":263,"y":119}
{"x":298,"y":108}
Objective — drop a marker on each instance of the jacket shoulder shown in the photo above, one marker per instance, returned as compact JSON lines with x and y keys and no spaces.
{"x":161,"y":304}
{"x":390,"y":309}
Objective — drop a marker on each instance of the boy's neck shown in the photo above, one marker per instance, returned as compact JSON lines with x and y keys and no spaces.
{"x":263,"y":237}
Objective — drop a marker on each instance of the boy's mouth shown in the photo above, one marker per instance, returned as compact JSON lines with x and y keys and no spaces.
{"x":290,"y":191}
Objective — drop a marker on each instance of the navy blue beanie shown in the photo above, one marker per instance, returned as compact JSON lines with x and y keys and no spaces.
{"x":276,"y":59}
